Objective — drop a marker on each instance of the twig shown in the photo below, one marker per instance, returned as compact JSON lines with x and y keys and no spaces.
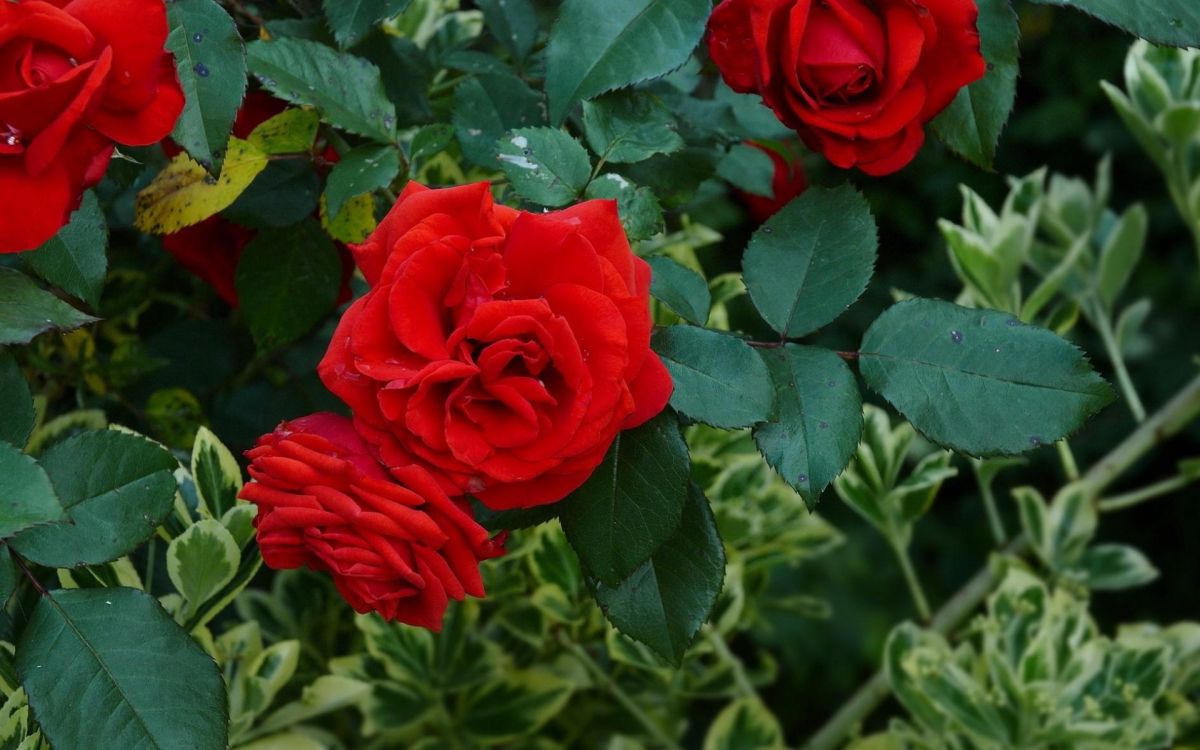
{"x":740,"y":678}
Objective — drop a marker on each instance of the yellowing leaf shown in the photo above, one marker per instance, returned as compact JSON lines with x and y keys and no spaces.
{"x":184,"y":194}
{"x":354,"y":222}
{"x":289,"y":132}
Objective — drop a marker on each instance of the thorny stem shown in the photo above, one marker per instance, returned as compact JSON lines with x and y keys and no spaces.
{"x":1168,"y":421}
{"x":740,"y":678}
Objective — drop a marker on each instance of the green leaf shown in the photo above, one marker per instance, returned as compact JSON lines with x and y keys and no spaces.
{"x":351,"y":20}
{"x":488,"y":106}
{"x":210,"y":59}
{"x":1071,"y":523}
{"x":1111,"y":567}
{"x":76,"y":259}
{"x":498,"y":712}
{"x":16,"y":403}
{"x":545,"y":165}
{"x":681,"y":289}
{"x":27,"y":310}
{"x":201,"y":561}
{"x":107,"y":668}
{"x":280,"y":267}
{"x":518,"y":518}
{"x":346,"y":89}
{"x":818,"y":419}
{"x":979,"y":381}
{"x":431,"y":140}
{"x":629,"y":127}
{"x":971,"y":125}
{"x":116,"y":487}
{"x":1172,"y":22}
{"x":1121,"y":253}
{"x":632,"y":502}
{"x":216,"y":473}
{"x":363,"y":170}
{"x":811,"y":260}
{"x":744,"y":724}
{"x":666,"y":600}
{"x":748,"y":169}
{"x":292,"y":131}
{"x":26,"y":495}
{"x":8,"y":575}
{"x":514,"y":23}
{"x":719,"y":379}
{"x":284,"y":193}
{"x":641,"y":215}
{"x":598,"y":47}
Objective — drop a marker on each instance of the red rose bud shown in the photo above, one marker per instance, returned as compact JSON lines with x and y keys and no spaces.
{"x":501,"y":350}
{"x":787,"y":182}
{"x":396,"y":545}
{"x":857,"y":80}
{"x":76,"y":78}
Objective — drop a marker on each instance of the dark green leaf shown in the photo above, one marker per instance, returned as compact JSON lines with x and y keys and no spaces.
{"x":719,"y":379}
{"x":520,"y":518}
{"x":116,"y":487}
{"x":108,"y":668}
{"x":749,"y":169}
{"x":979,"y":381}
{"x":27,"y":498}
{"x":817,"y":421}
{"x":282,"y":194}
{"x":350,"y":20}
{"x":597,"y":47}
{"x":811,"y":260}
{"x":431,"y":140}
{"x":1171,"y":22}
{"x":487,"y":107}
{"x":211,"y":61}
{"x":681,"y":289}
{"x":545,"y":165}
{"x":629,"y":127}
{"x":27,"y":310}
{"x":364,"y":170}
{"x":674,"y":178}
{"x":346,"y":89}
{"x":16,"y":403}
{"x":641,"y":215}
{"x":8,"y":575}
{"x":76,"y":259}
{"x":666,"y":600}
{"x":280,"y":267}
{"x":513,"y":22}
{"x":971,"y":125}
{"x":513,"y":707}
{"x":632,"y":502}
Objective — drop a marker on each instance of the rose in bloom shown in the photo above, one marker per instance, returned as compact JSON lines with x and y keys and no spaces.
{"x":788,"y":181}
{"x":502,"y":350}
{"x":396,"y":545}
{"x":857,"y":79}
{"x":75,"y":77}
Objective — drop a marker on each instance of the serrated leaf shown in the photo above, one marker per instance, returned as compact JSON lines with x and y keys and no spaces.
{"x":8,"y":577}
{"x":348,"y":90}
{"x":514,"y":23}
{"x":286,"y":192}
{"x":544,"y":165}
{"x":216,"y":473}
{"x":745,"y":724}
{"x":519,"y":518}
{"x":811,"y":260}
{"x":598,"y":47}
{"x":16,"y":403}
{"x":107,"y":668}
{"x":641,"y":216}
{"x":749,"y":169}
{"x":719,"y":379}
{"x":354,"y":223}
{"x":201,"y":561}
{"x":76,"y":259}
{"x":680,"y":288}
{"x":630,"y":126}
{"x":292,"y":131}
{"x":971,"y":125}
{"x":26,"y":495}
{"x":632,"y":503}
{"x":818,"y":419}
{"x":1112,"y":567}
{"x":666,"y":600}
{"x":351,"y":20}
{"x":184,"y":194}
{"x":979,"y":381}
{"x":431,"y":140}
{"x":363,"y":170}
{"x":1171,"y":22}
{"x":280,"y":267}
{"x":210,"y":59}
{"x":117,"y":487}
{"x":488,"y":106}
{"x":27,"y":310}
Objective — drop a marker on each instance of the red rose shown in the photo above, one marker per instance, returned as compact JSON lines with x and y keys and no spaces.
{"x":502,"y":350}
{"x":857,"y":79}
{"x":394,"y":545}
{"x":787,"y":182}
{"x":75,"y":77}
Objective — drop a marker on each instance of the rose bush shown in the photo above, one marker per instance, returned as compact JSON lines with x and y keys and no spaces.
{"x":396,"y":545}
{"x":75,"y":78}
{"x":501,"y":350}
{"x":857,"y":80}
{"x":788,"y":181}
